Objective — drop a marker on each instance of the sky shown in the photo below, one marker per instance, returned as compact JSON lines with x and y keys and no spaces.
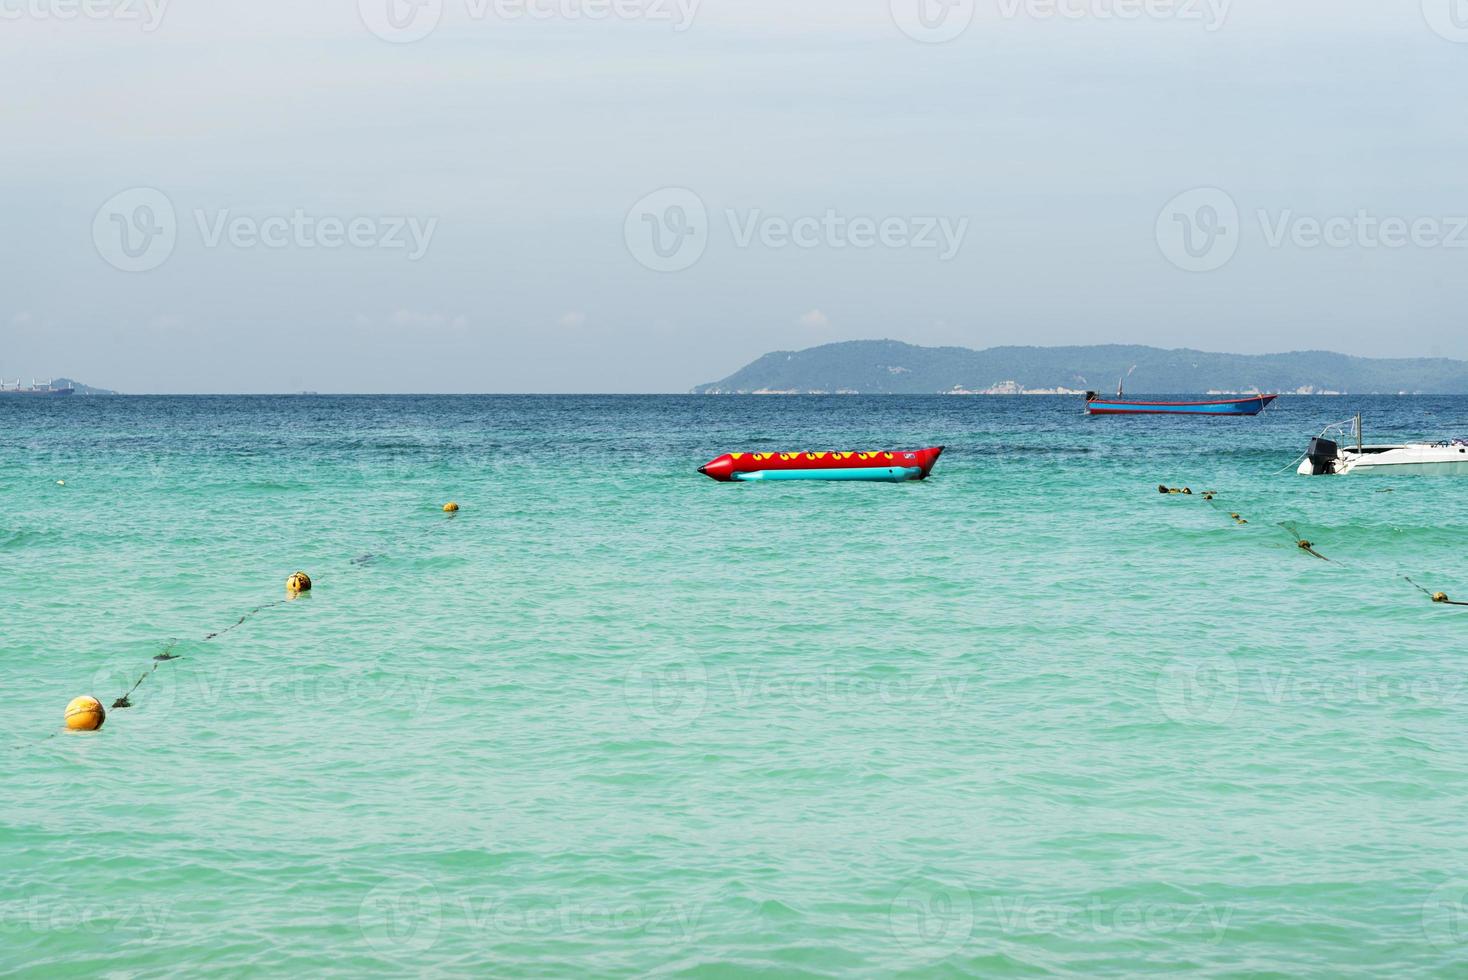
{"x":644,"y":195}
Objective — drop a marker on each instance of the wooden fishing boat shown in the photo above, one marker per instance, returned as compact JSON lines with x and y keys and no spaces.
{"x":1252,"y":405}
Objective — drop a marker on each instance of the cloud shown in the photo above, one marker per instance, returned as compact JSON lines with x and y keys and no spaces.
{"x":815,"y":320}
{"x":404,"y":323}
{"x":416,"y":320}
{"x":22,"y":319}
{"x":573,"y":319}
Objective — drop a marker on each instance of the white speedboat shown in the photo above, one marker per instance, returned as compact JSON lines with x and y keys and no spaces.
{"x":1328,"y":457}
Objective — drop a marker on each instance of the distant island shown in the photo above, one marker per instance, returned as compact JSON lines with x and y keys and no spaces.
{"x":80,"y":388}
{"x":890,"y":367}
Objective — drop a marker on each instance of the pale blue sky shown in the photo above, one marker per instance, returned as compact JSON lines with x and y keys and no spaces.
{"x":518,"y":147}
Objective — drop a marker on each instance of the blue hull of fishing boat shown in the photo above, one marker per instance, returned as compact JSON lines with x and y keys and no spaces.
{"x":1233,"y":406}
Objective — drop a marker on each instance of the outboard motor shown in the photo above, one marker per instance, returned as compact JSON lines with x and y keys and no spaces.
{"x":1321,"y":457}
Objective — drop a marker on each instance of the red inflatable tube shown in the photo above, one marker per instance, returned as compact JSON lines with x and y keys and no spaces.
{"x":734,"y":466}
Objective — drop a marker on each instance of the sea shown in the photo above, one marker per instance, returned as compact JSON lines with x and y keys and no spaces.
{"x":1030,"y":717}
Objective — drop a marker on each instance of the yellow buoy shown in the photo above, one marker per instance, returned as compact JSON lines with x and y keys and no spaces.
{"x":450,"y":508}
{"x":1440,"y":597}
{"x":298,"y":583}
{"x":85,"y":714}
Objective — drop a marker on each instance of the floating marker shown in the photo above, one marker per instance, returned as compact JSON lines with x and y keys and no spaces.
{"x":85,"y":714}
{"x":450,"y":508}
{"x":298,"y":583}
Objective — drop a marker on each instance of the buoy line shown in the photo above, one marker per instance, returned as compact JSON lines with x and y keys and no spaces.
{"x":87,"y":714}
{"x":1304,"y":544}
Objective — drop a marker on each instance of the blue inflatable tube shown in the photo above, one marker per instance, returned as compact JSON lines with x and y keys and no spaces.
{"x":878,"y":474}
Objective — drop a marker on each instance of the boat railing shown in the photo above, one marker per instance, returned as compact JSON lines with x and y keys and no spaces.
{"x":1344,"y":428}
{"x":1349,"y":430}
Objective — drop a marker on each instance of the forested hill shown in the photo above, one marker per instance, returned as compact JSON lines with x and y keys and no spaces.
{"x":892,"y":367}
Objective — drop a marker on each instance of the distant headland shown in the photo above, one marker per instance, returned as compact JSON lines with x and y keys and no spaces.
{"x":80,"y":388}
{"x":890,"y":367}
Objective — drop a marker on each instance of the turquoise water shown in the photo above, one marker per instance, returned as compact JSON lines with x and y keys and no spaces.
{"x":1027,"y":718}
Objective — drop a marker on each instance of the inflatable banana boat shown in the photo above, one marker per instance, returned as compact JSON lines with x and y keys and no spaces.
{"x":881,"y":467}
